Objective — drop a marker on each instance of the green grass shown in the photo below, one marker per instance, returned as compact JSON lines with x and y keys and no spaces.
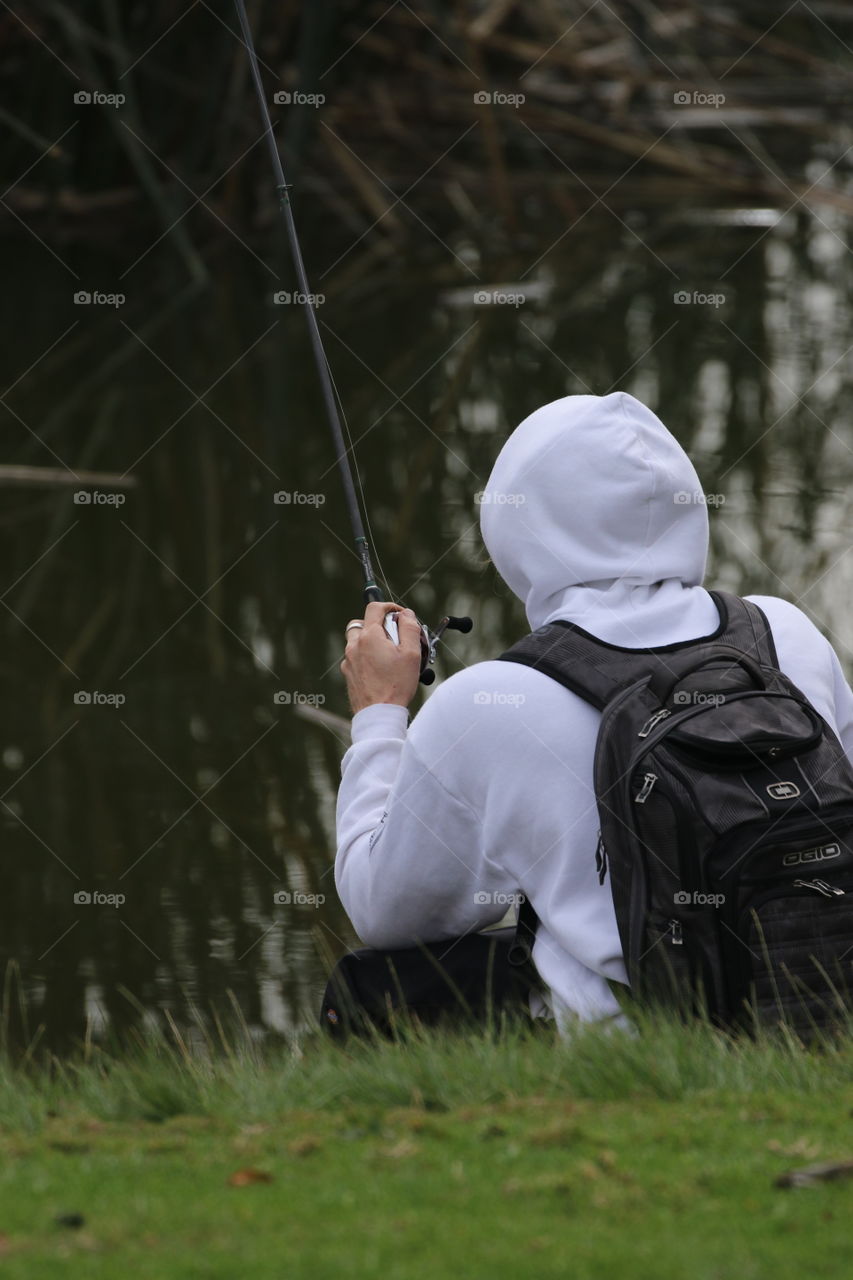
{"x":469,"y":1155}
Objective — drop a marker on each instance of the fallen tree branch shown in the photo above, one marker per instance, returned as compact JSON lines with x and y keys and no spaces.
{"x":51,"y":477}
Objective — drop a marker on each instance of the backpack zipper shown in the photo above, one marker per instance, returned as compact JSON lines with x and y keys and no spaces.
{"x":820,"y":886}
{"x":649,"y":780}
{"x":652,"y":721}
{"x":601,"y":859}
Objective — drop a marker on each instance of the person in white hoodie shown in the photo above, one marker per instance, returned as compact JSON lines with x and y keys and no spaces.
{"x":593,"y":513}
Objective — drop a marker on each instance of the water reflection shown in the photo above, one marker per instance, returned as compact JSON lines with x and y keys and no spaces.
{"x":201,"y":598}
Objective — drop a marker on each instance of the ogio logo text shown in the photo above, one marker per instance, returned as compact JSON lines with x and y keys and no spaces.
{"x":811,"y":855}
{"x":783,"y":790}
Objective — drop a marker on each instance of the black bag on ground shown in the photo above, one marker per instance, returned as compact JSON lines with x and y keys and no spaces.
{"x":465,"y":979}
{"x":726,"y":810}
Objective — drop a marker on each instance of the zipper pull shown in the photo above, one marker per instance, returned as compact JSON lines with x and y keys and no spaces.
{"x":676,"y":935}
{"x":650,"y":724}
{"x":601,"y":860}
{"x":833,"y":889}
{"x":649,"y":780}
{"x":821,"y":887}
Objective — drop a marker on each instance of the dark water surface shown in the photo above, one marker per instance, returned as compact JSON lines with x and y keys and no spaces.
{"x":203,"y":794}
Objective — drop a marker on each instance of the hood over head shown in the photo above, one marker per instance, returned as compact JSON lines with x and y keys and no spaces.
{"x":593,"y":512}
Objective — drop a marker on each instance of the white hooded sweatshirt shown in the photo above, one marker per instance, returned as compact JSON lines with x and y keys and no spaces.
{"x":593,"y":513}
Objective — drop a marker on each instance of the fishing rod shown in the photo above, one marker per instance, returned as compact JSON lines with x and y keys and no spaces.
{"x":370,"y":590}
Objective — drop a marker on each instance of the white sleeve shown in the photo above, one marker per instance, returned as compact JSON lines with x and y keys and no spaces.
{"x":410,"y":864}
{"x":843,"y":704}
{"x":808,"y":658}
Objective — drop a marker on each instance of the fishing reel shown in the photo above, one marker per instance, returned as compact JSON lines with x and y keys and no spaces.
{"x":429,"y":639}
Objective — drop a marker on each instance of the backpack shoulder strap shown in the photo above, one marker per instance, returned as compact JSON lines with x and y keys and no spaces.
{"x":746,"y":628}
{"x":596,"y":671}
{"x":573,"y":658}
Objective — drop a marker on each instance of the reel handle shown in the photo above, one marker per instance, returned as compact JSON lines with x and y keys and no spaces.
{"x":448,"y":623}
{"x":458,"y":624}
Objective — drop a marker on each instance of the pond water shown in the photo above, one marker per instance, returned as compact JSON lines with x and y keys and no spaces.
{"x":156,"y":652}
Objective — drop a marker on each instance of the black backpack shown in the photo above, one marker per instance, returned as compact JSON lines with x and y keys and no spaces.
{"x":726,"y":810}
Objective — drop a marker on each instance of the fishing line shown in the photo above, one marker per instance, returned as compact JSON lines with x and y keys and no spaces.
{"x":371,"y":590}
{"x":341,"y":434}
{"x":390,"y":594}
